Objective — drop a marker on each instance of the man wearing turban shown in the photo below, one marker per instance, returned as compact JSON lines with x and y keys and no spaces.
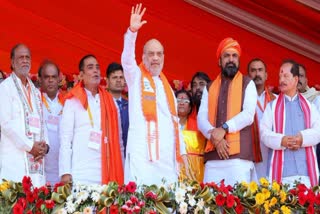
{"x":225,"y":116}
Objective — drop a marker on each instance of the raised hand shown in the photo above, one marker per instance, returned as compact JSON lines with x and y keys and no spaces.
{"x":136,"y":16}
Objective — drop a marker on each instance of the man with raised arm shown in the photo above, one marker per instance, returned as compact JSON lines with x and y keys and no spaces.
{"x":154,"y":145}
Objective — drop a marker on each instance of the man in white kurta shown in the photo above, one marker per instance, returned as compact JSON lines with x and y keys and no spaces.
{"x":23,"y":135}
{"x":79,"y":161}
{"x":138,"y":166}
{"x":52,"y":103}
{"x":257,"y":71}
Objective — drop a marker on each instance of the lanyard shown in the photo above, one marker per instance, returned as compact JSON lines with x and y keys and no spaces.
{"x":90,"y":116}
{"x":45,"y":102}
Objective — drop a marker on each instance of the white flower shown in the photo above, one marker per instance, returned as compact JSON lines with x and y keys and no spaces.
{"x":189,"y":188}
{"x":183,"y":208}
{"x":191,"y":200}
{"x":82,"y":196}
{"x":180,"y":195}
{"x":207,"y":210}
{"x":200,"y":204}
{"x":62,"y":211}
{"x":70,"y":198}
{"x":70,"y":207}
{"x":95,"y":196}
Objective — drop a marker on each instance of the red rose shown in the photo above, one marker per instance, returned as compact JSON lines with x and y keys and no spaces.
{"x":230,"y":201}
{"x":29,"y":212}
{"x":310,"y":209}
{"x":152,"y":212}
{"x":302,"y":198}
{"x":17,"y":209}
{"x":151,"y":195}
{"x":22,"y":202}
{"x":57,"y":185}
{"x":35,"y":193}
{"x":114,"y":209}
{"x":39,"y":203}
{"x":141,"y":203}
{"x":317,"y":200}
{"x":131,"y":187}
{"x":129,"y":203}
{"x":302,"y":188}
{"x":136,"y":209}
{"x":26,"y":183}
{"x":239,"y":209}
{"x":134,"y":199}
{"x":45,"y":190}
{"x":29,"y":197}
{"x":49,"y":204}
{"x":220,"y":200}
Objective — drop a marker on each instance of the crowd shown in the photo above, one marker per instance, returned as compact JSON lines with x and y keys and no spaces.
{"x":232,"y":128}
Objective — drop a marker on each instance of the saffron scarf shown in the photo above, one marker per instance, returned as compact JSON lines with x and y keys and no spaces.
{"x":149,"y":109}
{"x":111,"y":161}
{"x":61,"y":100}
{"x":279,"y":126}
{"x":255,"y":126}
{"x":234,"y":100}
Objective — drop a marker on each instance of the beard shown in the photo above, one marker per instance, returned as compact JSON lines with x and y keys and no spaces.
{"x":230,"y":70}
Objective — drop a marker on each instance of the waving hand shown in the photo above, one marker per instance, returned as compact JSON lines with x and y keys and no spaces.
{"x":136,"y":16}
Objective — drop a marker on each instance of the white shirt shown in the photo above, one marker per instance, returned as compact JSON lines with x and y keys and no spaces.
{"x":14,"y":144}
{"x":238,"y":122}
{"x":138,"y":167}
{"x":76,"y":158}
{"x":52,"y":119}
{"x":273,"y":140}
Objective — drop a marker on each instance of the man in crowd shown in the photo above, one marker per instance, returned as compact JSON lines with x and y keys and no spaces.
{"x":311,"y":94}
{"x":23,"y":134}
{"x":52,"y":103}
{"x":154,"y":143}
{"x":199,"y":81}
{"x":225,"y":116}
{"x":257,"y":71}
{"x":116,"y":84}
{"x":89,"y":137}
{"x":290,"y":127}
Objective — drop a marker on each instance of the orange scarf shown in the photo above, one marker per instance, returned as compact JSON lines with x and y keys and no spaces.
{"x":233,"y":108}
{"x":111,"y":161}
{"x":149,"y":108}
{"x":255,"y":126}
{"x":61,"y":100}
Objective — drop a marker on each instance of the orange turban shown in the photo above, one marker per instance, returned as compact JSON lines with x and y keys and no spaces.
{"x":228,"y":44}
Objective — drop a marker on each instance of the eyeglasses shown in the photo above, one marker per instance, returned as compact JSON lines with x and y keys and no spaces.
{"x":185,"y":101}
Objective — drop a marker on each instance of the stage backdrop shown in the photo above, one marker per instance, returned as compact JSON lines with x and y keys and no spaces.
{"x":64,"y":31}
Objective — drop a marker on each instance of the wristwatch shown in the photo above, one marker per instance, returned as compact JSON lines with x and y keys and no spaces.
{"x":225,"y":127}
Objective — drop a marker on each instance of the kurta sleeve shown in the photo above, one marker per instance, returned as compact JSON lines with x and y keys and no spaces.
{"x":10,"y":119}
{"x":66,"y":135}
{"x":203,"y":121}
{"x":311,"y":137}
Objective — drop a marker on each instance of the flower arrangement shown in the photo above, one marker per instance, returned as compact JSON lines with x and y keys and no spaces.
{"x":181,"y":197}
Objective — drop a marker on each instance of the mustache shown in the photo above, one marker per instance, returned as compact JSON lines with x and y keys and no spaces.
{"x":257,"y":78}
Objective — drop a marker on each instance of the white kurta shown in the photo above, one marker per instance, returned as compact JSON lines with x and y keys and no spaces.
{"x":138,"y":167}
{"x":14,"y":144}
{"x":52,"y":119}
{"x":234,"y":169}
{"x":261,"y":167}
{"x":76,"y":158}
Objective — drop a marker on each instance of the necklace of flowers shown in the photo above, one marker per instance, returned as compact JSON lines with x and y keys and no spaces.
{"x":27,"y":109}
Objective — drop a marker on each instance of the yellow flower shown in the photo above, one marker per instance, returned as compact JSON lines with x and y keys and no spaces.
{"x":273,"y":201}
{"x":260,"y":198}
{"x":276,"y":212}
{"x":275,"y":186}
{"x":285,"y":209}
{"x":253,"y":187}
{"x":4,"y":186}
{"x":266,"y":207}
{"x":283,"y":196}
{"x":245,"y":184}
{"x":264,"y":182}
{"x":266,"y":193}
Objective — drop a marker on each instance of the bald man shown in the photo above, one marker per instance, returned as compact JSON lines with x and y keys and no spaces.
{"x":154,"y":147}
{"x":225,"y":117}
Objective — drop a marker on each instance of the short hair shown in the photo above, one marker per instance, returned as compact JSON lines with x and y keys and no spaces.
{"x":304,"y":68}
{"x":112,"y":67}
{"x":13,"y":52}
{"x":183,"y":91}
{"x":256,"y":60}
{"x":295,"y":66}
{"x":81,"y":63}
{"x":201,"y":75}
{"x":44,"y":64}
